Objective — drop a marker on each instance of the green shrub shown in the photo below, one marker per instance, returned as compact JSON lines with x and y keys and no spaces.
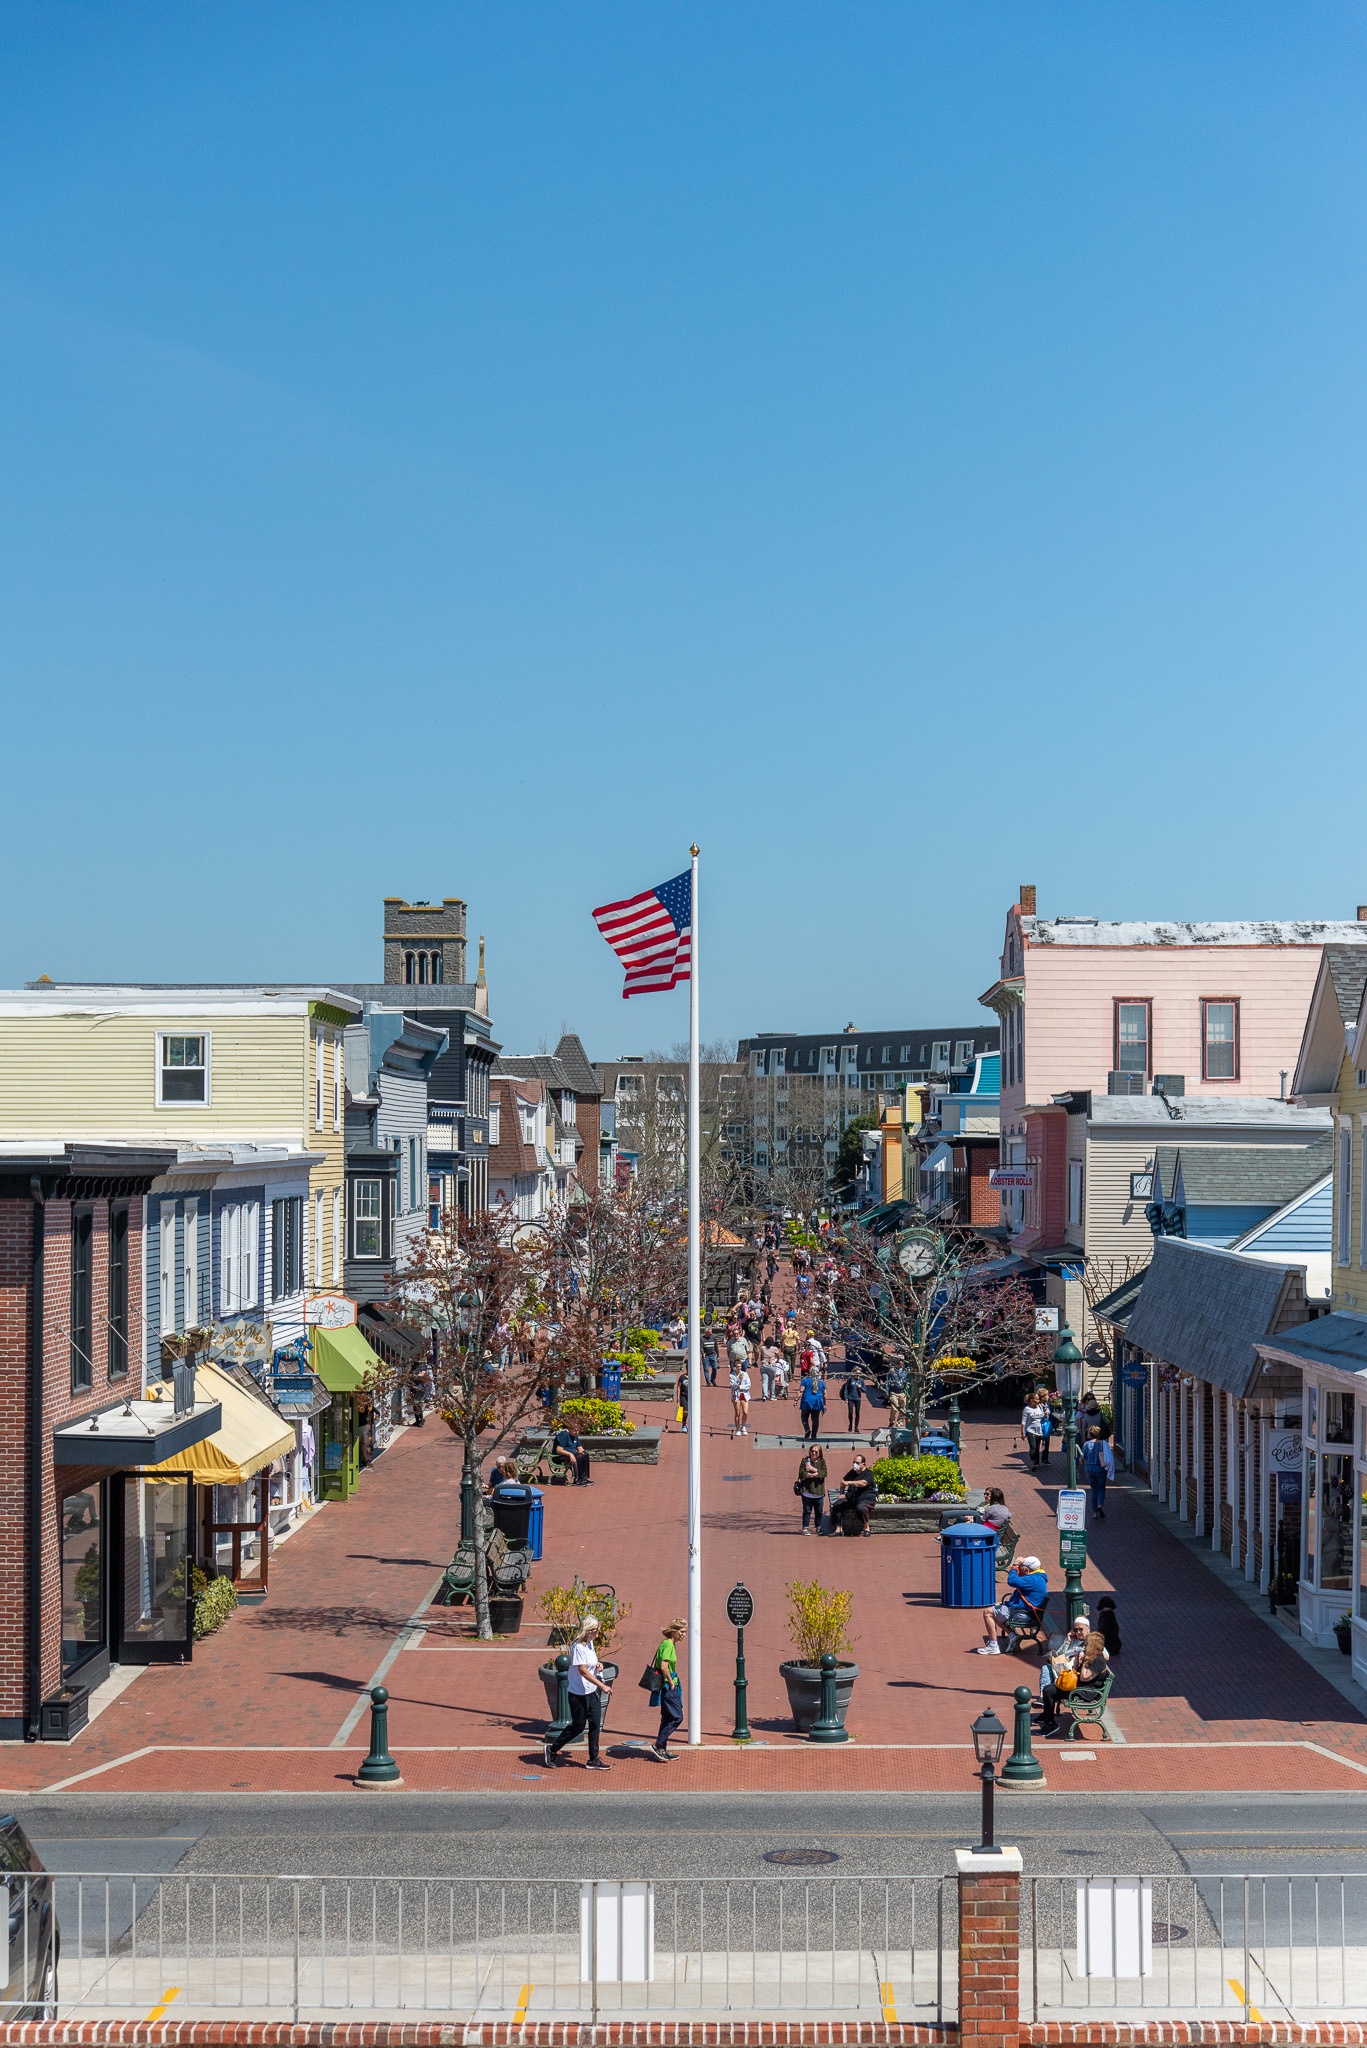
{"x":641,"y":1340}
{"x":213,"y":1606}
{"x":633,"y":1365}
{"x":565,"y":1607}
{"x":818,"y":1620}
{"x":597,"y":1418}
{"x":918,"y":1478}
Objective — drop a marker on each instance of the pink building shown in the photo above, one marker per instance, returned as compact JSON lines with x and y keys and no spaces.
{"x":1129,"y":1009}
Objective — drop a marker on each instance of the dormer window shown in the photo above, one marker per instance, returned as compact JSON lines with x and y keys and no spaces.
{"x":182,"y":1068}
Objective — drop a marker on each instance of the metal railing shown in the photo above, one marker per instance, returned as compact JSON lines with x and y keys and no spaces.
{"x":308,"y":1947}
{"x":1277,"y":1946}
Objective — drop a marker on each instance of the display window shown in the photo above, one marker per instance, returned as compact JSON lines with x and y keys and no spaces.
{"x":84,"y":1598}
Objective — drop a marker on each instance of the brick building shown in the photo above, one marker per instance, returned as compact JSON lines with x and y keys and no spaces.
{"x":93,"y":1546}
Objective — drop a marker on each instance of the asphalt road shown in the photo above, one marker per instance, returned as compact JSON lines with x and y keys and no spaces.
{"x":668,"y":1836}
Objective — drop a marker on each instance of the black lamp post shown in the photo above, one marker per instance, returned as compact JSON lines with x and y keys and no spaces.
{"x":1068,"y":1378}
{"x":988,"y":1737}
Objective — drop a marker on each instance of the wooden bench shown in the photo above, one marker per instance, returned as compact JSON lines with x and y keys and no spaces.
{"x":1086,"y":1704}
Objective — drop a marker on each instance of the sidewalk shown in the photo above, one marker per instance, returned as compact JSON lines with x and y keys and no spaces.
{"x":1207,"y":1696}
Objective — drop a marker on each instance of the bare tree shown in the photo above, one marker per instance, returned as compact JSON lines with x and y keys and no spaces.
{"x":1101,"y":1277}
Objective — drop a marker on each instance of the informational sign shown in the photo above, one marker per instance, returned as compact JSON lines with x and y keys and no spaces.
{"x":1289,"y":1489}
{"x":1046,"y":1322}
{"x":1284,"y":1450}
{"x":1011,"y":1177}
{"x":330,"y":1311}
{"x":740,"y":1607}
{"x":1135,"y":1373}
{"x":1072,"y":1550}
{"x":1072,"y":1507}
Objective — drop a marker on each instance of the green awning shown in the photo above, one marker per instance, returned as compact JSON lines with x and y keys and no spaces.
{"x":342,"y":1359}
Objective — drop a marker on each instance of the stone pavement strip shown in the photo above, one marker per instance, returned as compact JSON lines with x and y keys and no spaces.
{"x":1207,"y":1696}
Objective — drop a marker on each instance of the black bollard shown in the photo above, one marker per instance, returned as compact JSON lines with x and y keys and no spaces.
{"x":379,"y":1767}
{"x":1022,"y":1767}
{"x":826,"y":1728}
{"x":562,"y":1698}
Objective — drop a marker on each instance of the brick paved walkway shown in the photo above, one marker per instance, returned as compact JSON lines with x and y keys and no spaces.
{"x":1206,"y":1695}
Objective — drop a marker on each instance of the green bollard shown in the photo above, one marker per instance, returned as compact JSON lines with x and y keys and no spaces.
{"x":562,"y":1698}
{"x":826,"y":1728}
{"x":1022,"y":1767}
{"x":379,"y":1767}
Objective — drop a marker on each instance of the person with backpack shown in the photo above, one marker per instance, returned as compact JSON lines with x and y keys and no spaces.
{"x":813,"y":1403}
{"x":852,"y":1394}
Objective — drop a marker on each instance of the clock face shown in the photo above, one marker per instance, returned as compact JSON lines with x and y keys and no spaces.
{"x":916,"y":1256}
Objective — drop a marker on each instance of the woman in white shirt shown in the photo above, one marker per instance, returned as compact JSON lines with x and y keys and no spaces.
{"x":1034,"y":1422}
{"x":589,"y":1695}
{"x":740,"y":1401}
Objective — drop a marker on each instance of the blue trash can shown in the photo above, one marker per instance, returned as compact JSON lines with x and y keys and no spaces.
{"x":936,"y":1446}
{"x":610,"y":1381}
{"x":536,"y":1523}
{"x":968,"y":1565}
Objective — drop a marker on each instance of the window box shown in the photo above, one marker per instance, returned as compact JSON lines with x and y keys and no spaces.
{"x":64,"y":1714}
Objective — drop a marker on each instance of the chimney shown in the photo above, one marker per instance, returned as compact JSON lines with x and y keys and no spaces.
{"x":481,"y":985}
{"x":1027,"y":899}
{"x":1362,"y":913}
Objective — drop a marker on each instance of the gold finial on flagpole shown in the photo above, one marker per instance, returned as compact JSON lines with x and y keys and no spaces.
{"x":693,"y":849}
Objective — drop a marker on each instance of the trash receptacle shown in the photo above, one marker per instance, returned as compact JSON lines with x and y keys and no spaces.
{"x":536,"y":1523}
{"x":512,"y":1512}
{"x":968,"y":1574}
{"x":933,"y":1445}
{"x":610,"y":1382}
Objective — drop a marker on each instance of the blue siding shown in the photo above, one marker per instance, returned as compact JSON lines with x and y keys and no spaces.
{"x":1219,"y":1223}
{"x":1309,"y":1227}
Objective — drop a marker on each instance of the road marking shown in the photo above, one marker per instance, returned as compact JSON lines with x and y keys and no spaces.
{"x":521,"y":2013}
{"x":889,"y":2009}
{"x":405,"y":1636}
{"x":1237,"y":1988}
{"x":171,"y":1991}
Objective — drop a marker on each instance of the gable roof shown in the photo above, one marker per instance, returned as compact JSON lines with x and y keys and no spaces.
{"x":1204,"y":1311}
{"x":535,"y":1066}
{"x":1242,"y":1175}
{"x":1330,"y":1021}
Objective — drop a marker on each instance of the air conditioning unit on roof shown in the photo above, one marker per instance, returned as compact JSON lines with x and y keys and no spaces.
{"x":1169,"y":1084}
{"x":1124,"y":1084}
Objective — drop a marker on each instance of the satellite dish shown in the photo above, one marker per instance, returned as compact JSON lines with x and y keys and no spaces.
{"x":917,"y":1254}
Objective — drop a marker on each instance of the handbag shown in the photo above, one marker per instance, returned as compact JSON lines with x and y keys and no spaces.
{"x":650,"y":1680}
{"x":1065,"y":1681}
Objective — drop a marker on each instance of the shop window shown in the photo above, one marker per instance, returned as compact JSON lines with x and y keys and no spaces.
{"x":156,"y":1560}
{"x":82,"y":1300}
{"x":1336,"y":1523}
{"x":118,"y":1293}
{"x":83,"y":1578}
{"x":1362,"y":1550}
{"x":1338,"y":1417}
{"x":1220,"y":1041}
{"x":182,"y":1068}
{"x":1311,"y":1516}
{"x":366,"y":1224}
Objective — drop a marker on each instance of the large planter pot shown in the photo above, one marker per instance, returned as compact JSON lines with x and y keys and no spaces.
{"x":641,"y":1448}
{"x":547,"y":1674}
{"x":505,"y":1616}
{"x":804,"y":1692}
{"x":648,"y":1389}
{"x":1344,"y":1638}
{"x":921,"y":1517}
{"x":64,"y":1714}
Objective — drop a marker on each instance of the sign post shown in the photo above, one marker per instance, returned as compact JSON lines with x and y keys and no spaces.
{"x":1072,"y":1547}
{"x":740,"y":1609}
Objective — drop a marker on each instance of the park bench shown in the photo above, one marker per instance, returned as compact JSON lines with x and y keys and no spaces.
{"x":1007,"y":1545}
{"x":1087,"y":1704}
{"x":1029,"y":1633}
{"x":507,"y":1570}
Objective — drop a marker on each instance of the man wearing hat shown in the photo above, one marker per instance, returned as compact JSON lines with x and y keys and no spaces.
{"x":1028,"y":1589}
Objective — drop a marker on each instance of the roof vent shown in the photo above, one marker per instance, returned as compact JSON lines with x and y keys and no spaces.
{"x":1169,"y":1084}
{"x":1124,"y":1084}
{"x":1077,"y":920}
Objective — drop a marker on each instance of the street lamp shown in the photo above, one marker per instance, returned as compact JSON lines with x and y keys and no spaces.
{"x":988,"y":1737}
{"x":1068,"y":1378}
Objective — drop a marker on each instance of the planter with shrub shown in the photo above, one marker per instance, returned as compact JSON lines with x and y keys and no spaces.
{"x":819,"y":1626}
{"x":1343,"y":1634}
{"x":917,"y":1495}
{"x":215,"y":1600}
{"x":604,"y":1432}
{"x":565,"y":1607}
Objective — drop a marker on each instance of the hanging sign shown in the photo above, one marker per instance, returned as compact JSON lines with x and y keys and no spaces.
{"x":1046,"y":1322}
{"x":1072,"y":1507}
{"x":1011,"y":1177}
{"x":330,"y":1311}
{"x":1284,"y":1450}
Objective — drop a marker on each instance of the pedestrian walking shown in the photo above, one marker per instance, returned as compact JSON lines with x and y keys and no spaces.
{"x":710,"y":1356}
{"x":810,"y":1488}
{"x":788,"y":1342}
{"x":1099,"y":1463}
{"x":896,"y":1387}
{"x":589,"y":1695}
{"x":665,"y":1665}
{"x":1034,"y":1423}
{"x":681,"y":1399}
{"x":812,"y":1404}
{"x":740,"y":1401}
{"x":852,"y":1394}
{"x":770,"y":1359}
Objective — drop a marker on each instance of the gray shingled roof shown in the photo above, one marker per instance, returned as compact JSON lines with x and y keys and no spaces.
{"x":573,"y":1058}
{"x":1246,"y":1174}
{"x":535,"y":1066}
{"x":1203,"y":1311}
{"x":1348,"y":971}
{"x":1118,"y":1306}
{"x":1339,"y":1340}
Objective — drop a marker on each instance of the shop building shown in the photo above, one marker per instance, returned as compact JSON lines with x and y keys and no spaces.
{"x":389,"y":1061}
{"x":95,"y":1536}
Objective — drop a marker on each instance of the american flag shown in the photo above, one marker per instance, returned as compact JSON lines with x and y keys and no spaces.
{"x":652,"y":935}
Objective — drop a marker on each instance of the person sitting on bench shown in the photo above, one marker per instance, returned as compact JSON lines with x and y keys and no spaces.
{"x":859,"y":1495}
{"x":566,"y":1441}
{"x":1081,"y":1654}
{"x":1027,"y":1591}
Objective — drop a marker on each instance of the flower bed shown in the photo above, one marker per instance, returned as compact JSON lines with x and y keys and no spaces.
{"x":928,"y":1478}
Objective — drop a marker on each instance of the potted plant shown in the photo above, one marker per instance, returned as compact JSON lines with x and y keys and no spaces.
{"x":818,"y":1626}
{"x":564,"y":1608}
{"x":1343,"y":1633}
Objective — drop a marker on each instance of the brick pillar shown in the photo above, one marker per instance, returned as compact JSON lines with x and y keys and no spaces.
{"x":989,"y":1948}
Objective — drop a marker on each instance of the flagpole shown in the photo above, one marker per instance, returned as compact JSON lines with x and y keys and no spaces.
{"x":694,"y":1340}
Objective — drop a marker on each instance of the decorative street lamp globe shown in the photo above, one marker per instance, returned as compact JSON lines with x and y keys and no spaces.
{"x":1068,"y":1366}
{"x":988,"y":1737}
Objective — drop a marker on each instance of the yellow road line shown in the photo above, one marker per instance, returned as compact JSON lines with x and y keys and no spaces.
{"x":1237,"y":1988}
{"x":521,"y":2013}
{"x":171,"y":1991}
{"x":889,"y":2009}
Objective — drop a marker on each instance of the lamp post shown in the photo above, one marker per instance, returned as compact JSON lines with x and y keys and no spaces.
{"x":1068,"y":1379}
{"x":988,"y":1737}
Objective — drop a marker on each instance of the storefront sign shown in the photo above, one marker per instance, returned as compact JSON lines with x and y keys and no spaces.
{"x":1072,"y":1507}
{"x":1289,"y":1489}
{"x":330,"y":1311}
{"x":1284,"y":1450}
{"x":298,"y":1394}
{"x":1011,"y":1177}
{"x":1046,"y":1322}
{"x":1135,"y":1374}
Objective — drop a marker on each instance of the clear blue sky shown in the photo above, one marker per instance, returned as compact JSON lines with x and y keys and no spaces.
{"x":478,"y":448}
